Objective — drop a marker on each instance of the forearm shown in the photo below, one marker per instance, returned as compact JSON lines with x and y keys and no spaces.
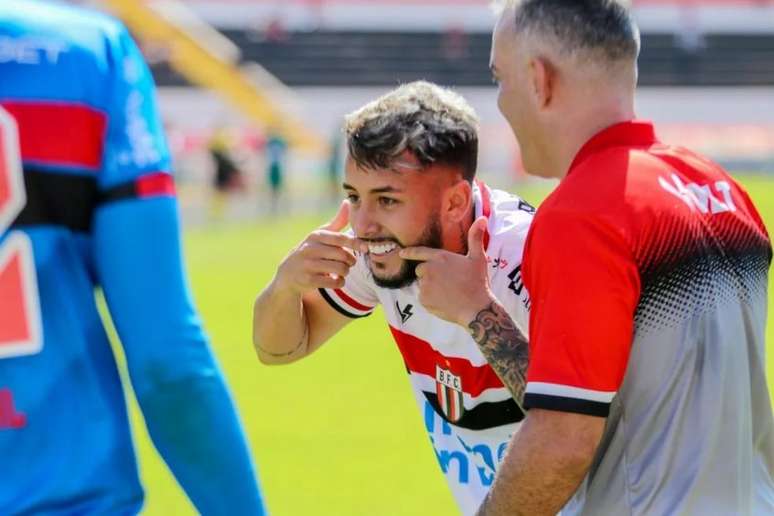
{"x":280,"y":326}
{"x":193,"y":424}
{"x":504,"y":346}
{"x":545,"y":463}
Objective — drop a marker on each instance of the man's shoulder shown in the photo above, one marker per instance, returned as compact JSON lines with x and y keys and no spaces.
{"x":509,"y":220}
{"x":612,"y":183}
{"x":509,"y":227}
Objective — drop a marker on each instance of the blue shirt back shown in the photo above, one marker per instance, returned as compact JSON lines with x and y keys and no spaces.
{"x":99,"y":211}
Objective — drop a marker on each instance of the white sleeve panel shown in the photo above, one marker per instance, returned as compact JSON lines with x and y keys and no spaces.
{"x":358,"y":296}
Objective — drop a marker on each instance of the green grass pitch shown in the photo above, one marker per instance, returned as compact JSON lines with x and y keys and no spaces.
{"x":338,"y":433}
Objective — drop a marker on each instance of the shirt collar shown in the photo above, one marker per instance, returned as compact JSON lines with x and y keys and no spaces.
{"x":482,"y":199}
{"x":634,"y":133}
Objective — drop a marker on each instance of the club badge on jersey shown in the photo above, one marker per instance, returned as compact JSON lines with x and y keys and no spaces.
{"x":448,"y":387}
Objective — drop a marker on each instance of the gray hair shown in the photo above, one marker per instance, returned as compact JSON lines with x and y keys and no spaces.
{"x":601,"y":28}
{"x":434,"y":124}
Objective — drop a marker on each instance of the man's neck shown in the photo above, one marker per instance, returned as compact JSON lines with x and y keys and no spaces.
{"x":573,"y":135}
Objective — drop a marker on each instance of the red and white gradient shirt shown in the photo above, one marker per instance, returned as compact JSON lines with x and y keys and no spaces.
{"x":648,"y":269}
{"x":468,"y":412}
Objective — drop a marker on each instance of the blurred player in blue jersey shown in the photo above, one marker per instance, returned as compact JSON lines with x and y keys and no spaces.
{"x":100,"y":210}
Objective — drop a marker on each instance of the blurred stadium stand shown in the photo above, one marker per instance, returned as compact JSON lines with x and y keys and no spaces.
{"x":381,"y":43}
{"x":706,"y":76}
{"x":355,"y":58}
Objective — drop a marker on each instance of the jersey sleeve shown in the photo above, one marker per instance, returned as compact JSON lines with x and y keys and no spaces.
{"x":584,"y":285}
{"x":135,"y":152}
{"x":358,"y":297}
{"x":507,"y":279}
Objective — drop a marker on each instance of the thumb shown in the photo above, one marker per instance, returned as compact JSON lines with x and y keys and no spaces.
{"x":476,"y":238}
{"x":341,"y":219}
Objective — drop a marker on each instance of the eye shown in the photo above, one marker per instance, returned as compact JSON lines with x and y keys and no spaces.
{"x":387,"y":202}
{"x":495,"y":80}
{"x":353,"y":198}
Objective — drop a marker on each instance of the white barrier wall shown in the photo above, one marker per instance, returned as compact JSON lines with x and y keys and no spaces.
{"x":729,"y":124}
{"x":746,"y":16}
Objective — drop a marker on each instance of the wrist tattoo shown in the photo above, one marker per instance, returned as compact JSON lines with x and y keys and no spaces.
{"x":287,"y":353}
{"x":504,"y":346}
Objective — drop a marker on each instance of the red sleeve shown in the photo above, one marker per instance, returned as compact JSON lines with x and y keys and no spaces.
{"x":584,"y":284}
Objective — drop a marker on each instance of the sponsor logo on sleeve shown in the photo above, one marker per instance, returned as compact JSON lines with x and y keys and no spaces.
{"x":701,"y":197}
{"x":516,"y":285}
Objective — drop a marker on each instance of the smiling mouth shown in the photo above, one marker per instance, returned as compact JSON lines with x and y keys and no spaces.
{"x":381,"y":248}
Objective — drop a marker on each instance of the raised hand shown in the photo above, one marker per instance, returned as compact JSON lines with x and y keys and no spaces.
{"x":322,"y":259}
{"x":453,"y":286}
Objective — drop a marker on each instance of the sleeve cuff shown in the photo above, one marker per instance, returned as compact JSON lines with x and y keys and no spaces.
{"x":565,"y":398}
{"x":558,"y":403}
{"x":344,"y":304}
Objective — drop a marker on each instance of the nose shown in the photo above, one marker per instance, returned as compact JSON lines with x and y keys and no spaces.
{"x":363,"y":222}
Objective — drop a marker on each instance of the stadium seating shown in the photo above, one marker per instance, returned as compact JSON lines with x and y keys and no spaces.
{"x":360,"y":58}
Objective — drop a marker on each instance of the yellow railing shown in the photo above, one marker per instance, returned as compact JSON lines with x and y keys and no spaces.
{"x":208,"y":59}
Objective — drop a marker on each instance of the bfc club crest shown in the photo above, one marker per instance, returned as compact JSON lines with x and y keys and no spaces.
{"x":448,"y":387}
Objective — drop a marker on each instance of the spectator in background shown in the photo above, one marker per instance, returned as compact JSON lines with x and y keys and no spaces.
{"x":227,"y":177}
{"x":276,"y":157}
{"x":334,"y":167}
{"x":455,"y":44}
{"x":690,"y":43}
{"x":100,"y":212}
{"x":648,"y":269}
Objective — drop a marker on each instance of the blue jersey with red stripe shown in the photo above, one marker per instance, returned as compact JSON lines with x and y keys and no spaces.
{"x":97,"y":208}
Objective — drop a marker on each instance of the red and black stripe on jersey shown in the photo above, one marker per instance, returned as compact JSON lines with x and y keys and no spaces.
{"x":421,"y":358}
{"x":69,"y":200}
{"x":62,"y":147}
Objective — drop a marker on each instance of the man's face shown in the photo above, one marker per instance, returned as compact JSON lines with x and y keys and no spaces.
{"x":510,"y":70}
{"x":392,"y":209}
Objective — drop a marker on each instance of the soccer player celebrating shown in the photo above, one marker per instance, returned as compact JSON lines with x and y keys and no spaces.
{"x":647,"y":268}
{"x":441,"y":253}
{"x":100,"y":211}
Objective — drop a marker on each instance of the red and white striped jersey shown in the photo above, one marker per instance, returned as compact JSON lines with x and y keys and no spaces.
{"x":468,"y":413}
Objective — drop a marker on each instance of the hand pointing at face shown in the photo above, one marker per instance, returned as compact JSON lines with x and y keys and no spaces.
{"x":323,"y":259}
{"x":453,"y":286}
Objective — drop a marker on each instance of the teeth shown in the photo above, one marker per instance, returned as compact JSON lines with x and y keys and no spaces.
{"x":381,"y":248}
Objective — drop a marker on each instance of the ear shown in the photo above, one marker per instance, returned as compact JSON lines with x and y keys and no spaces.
{"x":542,"y":81}
{"x":457,"y":201}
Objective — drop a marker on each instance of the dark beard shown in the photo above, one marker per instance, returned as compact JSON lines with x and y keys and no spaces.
{"x":407,"y":274}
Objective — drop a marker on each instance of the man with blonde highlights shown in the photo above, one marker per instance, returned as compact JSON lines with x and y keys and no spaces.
{"x":441,"y":252}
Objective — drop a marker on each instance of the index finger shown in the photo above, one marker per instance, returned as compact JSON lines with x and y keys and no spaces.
{"x":420,"y":254}
{"x":340,"y":240}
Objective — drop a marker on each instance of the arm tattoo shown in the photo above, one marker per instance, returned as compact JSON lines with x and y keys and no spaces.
{"x":292,"y":351}
{"x":503,"y":346}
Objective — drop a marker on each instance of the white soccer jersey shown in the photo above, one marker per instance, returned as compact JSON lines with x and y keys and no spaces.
{"x":468,"y":413}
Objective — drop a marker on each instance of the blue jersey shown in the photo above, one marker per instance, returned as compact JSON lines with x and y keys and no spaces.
{"x":96,"y":208}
